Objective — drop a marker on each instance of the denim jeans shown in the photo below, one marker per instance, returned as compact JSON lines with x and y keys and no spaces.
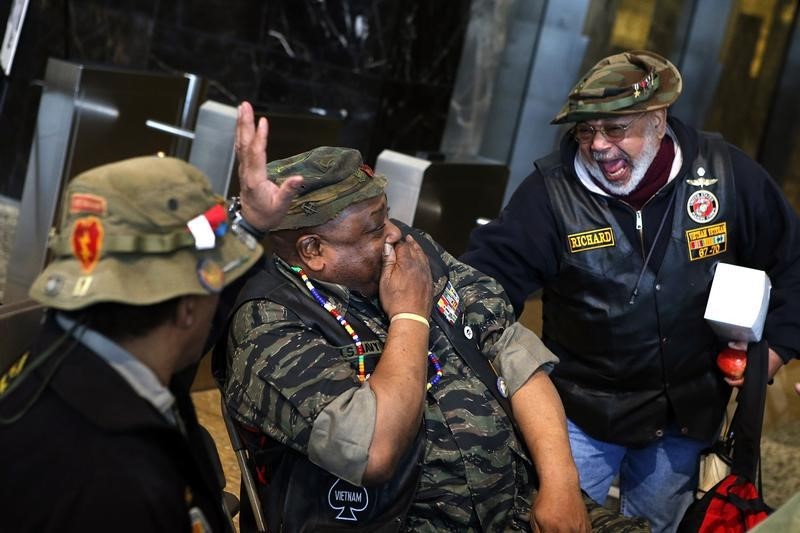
{"x":656,"y":482}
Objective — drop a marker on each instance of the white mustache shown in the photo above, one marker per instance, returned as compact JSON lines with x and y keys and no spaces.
{"x":608,"y":156}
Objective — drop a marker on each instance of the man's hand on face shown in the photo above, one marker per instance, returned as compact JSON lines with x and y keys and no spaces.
{"x":263,"y":203}
{"x":406,"y":285}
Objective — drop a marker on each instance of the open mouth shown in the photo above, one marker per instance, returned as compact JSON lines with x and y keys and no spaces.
{"x":613,"y":167}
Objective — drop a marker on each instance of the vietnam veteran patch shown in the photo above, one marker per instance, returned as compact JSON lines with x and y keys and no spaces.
{"x":707,"y":241}
{"x":589,"y":240}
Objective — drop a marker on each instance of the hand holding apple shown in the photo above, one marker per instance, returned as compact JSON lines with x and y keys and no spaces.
{"x":732,"y":363}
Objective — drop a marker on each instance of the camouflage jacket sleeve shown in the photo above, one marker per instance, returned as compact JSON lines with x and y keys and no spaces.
{"x":289,"y":382}
{"x":514,"y":350}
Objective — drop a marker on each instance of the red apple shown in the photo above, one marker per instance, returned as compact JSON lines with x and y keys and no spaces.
{"x":732,"y":362}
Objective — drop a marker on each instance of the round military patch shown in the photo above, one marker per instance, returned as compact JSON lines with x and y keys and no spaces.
{"x":702,"y":206}
{"x":210,"y":275}
{"x":53,"y":285}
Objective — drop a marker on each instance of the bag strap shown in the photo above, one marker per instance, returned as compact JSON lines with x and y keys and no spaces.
{"x":749,"y":416}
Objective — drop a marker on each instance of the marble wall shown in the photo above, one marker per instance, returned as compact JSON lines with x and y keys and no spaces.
{"x":385,"y":68}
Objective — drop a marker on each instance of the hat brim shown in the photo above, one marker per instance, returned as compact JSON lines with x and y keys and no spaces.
{"x":142,"y":279}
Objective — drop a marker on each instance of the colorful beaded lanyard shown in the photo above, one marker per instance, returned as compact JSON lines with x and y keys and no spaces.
{"x":329,"y":307}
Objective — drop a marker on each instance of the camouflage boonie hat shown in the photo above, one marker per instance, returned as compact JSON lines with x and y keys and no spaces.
{"x":139,"y":232}
{"x":333,"y":179}
{"x":622,"y":84}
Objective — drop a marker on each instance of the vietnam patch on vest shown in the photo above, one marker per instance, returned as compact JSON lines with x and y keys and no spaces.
{"x":707,"y":241}
{"x":590,"y":240}
{"x":347,"y":500}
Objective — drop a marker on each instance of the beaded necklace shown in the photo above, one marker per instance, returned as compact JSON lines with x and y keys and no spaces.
{"x":330,"y":308}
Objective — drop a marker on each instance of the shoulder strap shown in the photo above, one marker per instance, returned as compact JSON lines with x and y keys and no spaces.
{"x":467,"y":349}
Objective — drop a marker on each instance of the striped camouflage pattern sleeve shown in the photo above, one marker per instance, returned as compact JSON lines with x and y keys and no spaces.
{"x":284,"y":376}
{"x":515,"y":351}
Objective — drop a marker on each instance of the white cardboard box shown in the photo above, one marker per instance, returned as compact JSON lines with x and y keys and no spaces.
{"x":737,"y":303}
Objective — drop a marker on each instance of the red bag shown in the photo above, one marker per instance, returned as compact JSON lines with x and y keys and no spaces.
{"x":734,"y":504}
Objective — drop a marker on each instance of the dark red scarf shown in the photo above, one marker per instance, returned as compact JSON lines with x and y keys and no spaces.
{"x":655,"y":177}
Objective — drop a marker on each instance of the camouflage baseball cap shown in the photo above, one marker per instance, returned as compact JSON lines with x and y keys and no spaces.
{"x":333,"y":178}
{"x":139,"y":232}
{"x":622,"y":84}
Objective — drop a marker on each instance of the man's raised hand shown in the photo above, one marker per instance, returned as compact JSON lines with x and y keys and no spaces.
{"x":264,"y":203}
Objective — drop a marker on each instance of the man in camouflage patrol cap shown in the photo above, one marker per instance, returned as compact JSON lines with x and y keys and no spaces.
{"x":347,"y":369}
{"x":622,"y":228}
{"x":93,"y":436}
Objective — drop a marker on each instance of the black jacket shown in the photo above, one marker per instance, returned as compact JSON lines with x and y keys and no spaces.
{"x":91,"y":455}
{"x":525,"y":250}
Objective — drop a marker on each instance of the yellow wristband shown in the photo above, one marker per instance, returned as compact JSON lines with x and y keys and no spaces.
{"x":410,"y":316}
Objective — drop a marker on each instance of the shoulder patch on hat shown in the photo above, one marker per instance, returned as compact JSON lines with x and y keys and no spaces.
{"x":87,"y":242}
{"x":87,"y":203}
{"x":326,"y":162}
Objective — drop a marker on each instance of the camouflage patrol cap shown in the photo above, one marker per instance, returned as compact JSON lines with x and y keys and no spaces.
{"x":622,"y":84}
{"x":139,"y":232}
{"x":333,"y":179}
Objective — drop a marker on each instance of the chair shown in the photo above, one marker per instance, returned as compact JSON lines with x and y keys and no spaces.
{"x":245,"y":461}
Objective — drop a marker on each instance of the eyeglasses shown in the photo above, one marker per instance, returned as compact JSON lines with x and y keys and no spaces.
{"x":584,"y":133}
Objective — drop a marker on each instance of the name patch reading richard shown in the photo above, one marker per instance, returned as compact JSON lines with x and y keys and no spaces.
{"x":590,"y":240}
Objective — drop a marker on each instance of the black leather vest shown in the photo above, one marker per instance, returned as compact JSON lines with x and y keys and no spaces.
{"x":627,"y":365}
{"x":296,"y":494}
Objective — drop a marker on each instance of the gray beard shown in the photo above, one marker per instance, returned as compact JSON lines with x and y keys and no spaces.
{"x":639,"y":166}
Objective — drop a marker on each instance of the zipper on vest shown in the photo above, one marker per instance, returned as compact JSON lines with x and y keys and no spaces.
{"x":639,"y":227}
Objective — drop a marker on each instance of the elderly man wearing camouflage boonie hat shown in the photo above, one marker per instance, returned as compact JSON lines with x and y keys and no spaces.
{"x":622,"y":228}
{"x":91,"y":434}
{"x":358,"y":370}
